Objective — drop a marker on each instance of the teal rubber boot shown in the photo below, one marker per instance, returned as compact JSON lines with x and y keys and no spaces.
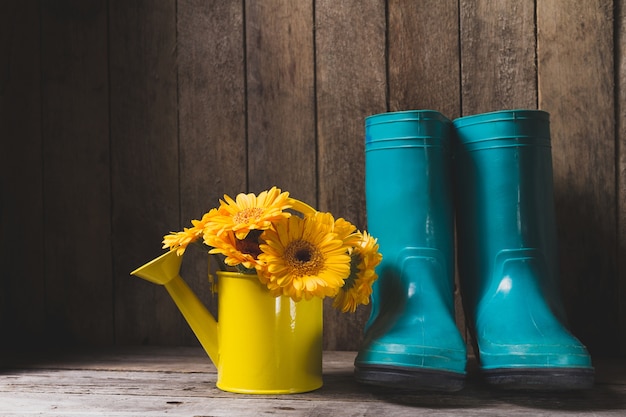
{"x":507,"y":253}
{"x":411,"y":339}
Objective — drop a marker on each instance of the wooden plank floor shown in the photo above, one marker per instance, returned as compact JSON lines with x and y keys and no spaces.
{"x":181,"y":382}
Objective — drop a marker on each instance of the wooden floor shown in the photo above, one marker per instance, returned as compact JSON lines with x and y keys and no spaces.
{"x":181,"y":382}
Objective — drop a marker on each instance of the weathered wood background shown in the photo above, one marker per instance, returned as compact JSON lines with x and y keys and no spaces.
{"x":122,"y":120}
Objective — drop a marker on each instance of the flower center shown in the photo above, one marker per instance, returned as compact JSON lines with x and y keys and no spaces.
{"x":249,"y":245}
{"x":304,"y":258}
{"x":245,"y":215}
{"x":303,"y":255}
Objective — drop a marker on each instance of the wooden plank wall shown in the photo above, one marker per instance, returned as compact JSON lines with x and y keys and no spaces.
{"x":122,"y":120}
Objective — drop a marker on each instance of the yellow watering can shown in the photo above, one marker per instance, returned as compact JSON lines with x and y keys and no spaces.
{"x":261,"y":344}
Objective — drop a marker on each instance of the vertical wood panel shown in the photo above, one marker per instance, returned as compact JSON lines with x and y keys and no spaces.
{"x":424,"y":56}
{"x":497,"y":55}
{"x":424,"y":67}
{"x":212,"y":120}
{"x":144,"y":148}
{"x":22,"y":285}
{"x":351,"y":77}
{"x":576,"y":85}
{"x":129,"y":132}
{"x":281,"y":100}
{"x":620,"y":105}
{"x":76,"y":171}
{"x":498,"y":71}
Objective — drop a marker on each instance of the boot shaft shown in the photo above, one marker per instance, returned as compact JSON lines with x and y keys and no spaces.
{"x":503,"y":162}
{"x":408,"y":192}
{"x":408,"y":179}
{"x":504,"y":197}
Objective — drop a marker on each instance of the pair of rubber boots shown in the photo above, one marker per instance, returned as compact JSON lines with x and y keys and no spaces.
{"x":496,"y":169}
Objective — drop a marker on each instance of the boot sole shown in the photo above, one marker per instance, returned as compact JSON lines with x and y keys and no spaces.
{"x":540,"y":379}
{"x":408,"y":378}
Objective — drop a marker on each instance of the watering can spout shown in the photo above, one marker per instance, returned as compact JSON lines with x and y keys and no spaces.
{"x":165,"y":270}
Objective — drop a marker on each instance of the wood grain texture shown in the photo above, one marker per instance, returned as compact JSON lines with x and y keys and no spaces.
{"x":212,"y":120}
{"x":620,"y":124}
{"x":22,"y":280}
{"x":181,"y":382}
{"x":350,"y":85}
{"x":77,"y":185}
{"x":281,"y":97}
{"x":144,"y":163}
{"x":424,"y":62}
{"x":497,"y":53}
{"x":121,"y":121}
{"x":576,"y":85}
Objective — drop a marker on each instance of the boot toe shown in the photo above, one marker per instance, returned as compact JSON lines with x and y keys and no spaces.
{"x":561,"y":364}
{"x":412,"y":359}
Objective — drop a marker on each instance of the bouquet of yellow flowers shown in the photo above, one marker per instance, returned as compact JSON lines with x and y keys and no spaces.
{"x":312,"y":255}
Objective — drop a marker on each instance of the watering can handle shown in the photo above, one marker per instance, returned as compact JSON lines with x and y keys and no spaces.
{"x":301,"y":206}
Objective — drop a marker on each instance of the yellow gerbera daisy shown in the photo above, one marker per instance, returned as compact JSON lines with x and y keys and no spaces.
{"x":249,"y":212}
{"x":237,"y":251}
{"x":358,"y":287}
{"x":345,"y":230}
{"x":180,"y":240}
{"x":302,"y":258}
